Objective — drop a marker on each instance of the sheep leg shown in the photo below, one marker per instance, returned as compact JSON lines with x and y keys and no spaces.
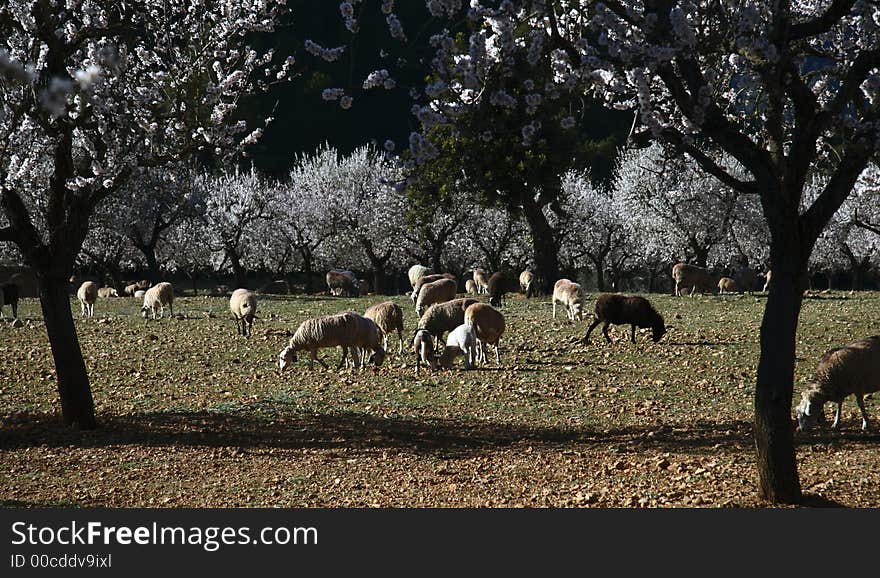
{"x":344,"y":357}
{"x":590,"y":330}
{"x":836,"y":424}
{"x":497,"y":353}
{"x":605,"y":332}
{"x":860,"y":400}
{"x":314,"y":356}
{"x":400,"y":336}
{"x":554,"y":309}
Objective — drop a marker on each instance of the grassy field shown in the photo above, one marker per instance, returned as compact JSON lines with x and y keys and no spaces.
{"x":193,"y":415}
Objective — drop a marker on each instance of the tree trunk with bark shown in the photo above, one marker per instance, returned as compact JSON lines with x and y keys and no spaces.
{"x":544,"y":246}
{"x":77,"y":405}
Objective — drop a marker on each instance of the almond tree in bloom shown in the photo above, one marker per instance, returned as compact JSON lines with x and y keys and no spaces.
{"x":90,"y":91}
{"x":785,"y":88}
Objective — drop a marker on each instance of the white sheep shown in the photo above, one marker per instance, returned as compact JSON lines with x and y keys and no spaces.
{"x":348,"y":330}
{"x":570,"y":295}
{"x":158,"y":297}
{"x":461,"y":341}
{"x":853,"y":369}
{"x":107,"y":292}
{"x":87,"y":295}
{"x":435,"y":292}
{"x":243,"y":305}
{"x":527,"y":283}
{"x":416,"y":272}
{"x":488,"y":324}
{"x":423,"y":345}
{"x":481,"y":278}
{"x":389,"y":317}
{"x":139,"y":294}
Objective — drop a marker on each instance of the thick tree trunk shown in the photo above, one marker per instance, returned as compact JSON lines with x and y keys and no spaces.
{"x":77,"y":405}
{"x":544,"y":247}
{"x":774,"y":434}
{"x":238,"y":271}
{"x":379,"y":278}
{"x":149,"y":252}
{"x":437,"y":257}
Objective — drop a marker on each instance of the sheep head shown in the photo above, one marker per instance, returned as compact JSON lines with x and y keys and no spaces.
{"x":286,"y":357}
{"x":809,"y":412}
{"x":658,"y":331}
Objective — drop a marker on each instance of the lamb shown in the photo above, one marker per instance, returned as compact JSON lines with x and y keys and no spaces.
{"x":389,"y":317}
{"x":691,"y":276}
{"x":727,"y":285}
{"x":470,"y":287}
{"x":570,"y":295}
{"x":107,"y":292}
{"x":243,"y":305}
{"x":423,"y":345}
{"x":442,"y":317}
{"x":341,"y":282}
{"x":620,"y":309}
{"x":416,"y":272}
{"x":499,"y":285}
{"x":481,"y":278}
{"x":422,"y":281}
{"x":767,"y":282}
{"x":488,"y":324}
{"x":851,"y":369}
{"x":157,"y":297}
{"x":9,"y":294}
{"x":139,"y":294}
{"x":87,"y":295}
{"x":435,"y":292}
{"x":527,"y":283}
{"x":461,"y":341}
{"x":348,"y":330}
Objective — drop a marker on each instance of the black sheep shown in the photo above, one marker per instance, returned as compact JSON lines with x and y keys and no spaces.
{"x":621,"y":310}
{"x":9,"y":296}
{"x":499,"y":284}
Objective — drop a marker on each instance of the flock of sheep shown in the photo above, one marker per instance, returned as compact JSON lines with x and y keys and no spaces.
{"x":853,"y":369}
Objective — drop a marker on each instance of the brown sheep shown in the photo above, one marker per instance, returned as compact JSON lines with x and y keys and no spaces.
{"x":853,"y":369}
{"x":691,"y":276}
{"x":621,"y":310}
{"x":481,"y":278}
{"x":727,"y":285}
{"x":442,"y":317}
{"x":499,"y":285}
{"x":342,"y":283}
{"x":425,"y":279}
{"x":435,"y":292}
{"x":488,"y":324}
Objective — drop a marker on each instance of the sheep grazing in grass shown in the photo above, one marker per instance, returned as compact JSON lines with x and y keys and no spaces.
{"x":107,"y":292}
{"x":697,"y":278}
{"x":87,"y":295}
{"x":435,"y":292}
{"x":389,"y":317}
{"x":422,"y":281}
{"x":423,"y":345}
{"x":470,"y":287}
{"x":158,"y":297}
{"x":613,"y":309}
{"x":9,"y":294}
{"x":139,"y":294}
{"x":488,"y":324}
{"x":350,"y":331}
{"x":481,"y":278}
{"x":766,"y":281}
{"x":727,"y":285}
{"x":571,"y":296}
{"x":341,"y":282}
{"x":442,"y":317}
{"x":130,"y":289}
{"x":416,"y":272}
{"x":499,"y":285}
{"x":243,"y":305}
{"x":853,"y":369}
{"x":461,"y":341}
{"x":527,"y":283}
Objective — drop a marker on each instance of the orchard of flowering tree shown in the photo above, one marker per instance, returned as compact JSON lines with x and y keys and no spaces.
{"x":602,"y":142}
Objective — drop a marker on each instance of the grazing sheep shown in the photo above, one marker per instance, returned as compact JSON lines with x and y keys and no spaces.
{"x":139,"y":294}
{"x":570,"y":295}
{"x":422,"y":281}
{"x":527,"y":283}
{"x":488,"y":324}
{"x":423,"y":345}
{"x":470,"y":287}
{"x":158,"y":297}
{"x":442,"y":317}
{"x":416,"y":272}
{"x":348,"y":330}
{"x":767,"y":282}
{"x":481,"y":278}
{"x":130,"y":289}
{"x":727,"y":285}
{"x":243,"y":305}
{"x":691,"y":276}
{"x":746,"y":279}
{"x":87,"y":295}
{"x":435,"y":292}
{"x":621,"y":310}
{"x":389,"y":317}
{"x":461,"y":341}
{"x":342,"y":283}
{"x":9,"y":294}
{"x":499,"y":285}
{"x":107,"y":292}
{"x":853,"y":369}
